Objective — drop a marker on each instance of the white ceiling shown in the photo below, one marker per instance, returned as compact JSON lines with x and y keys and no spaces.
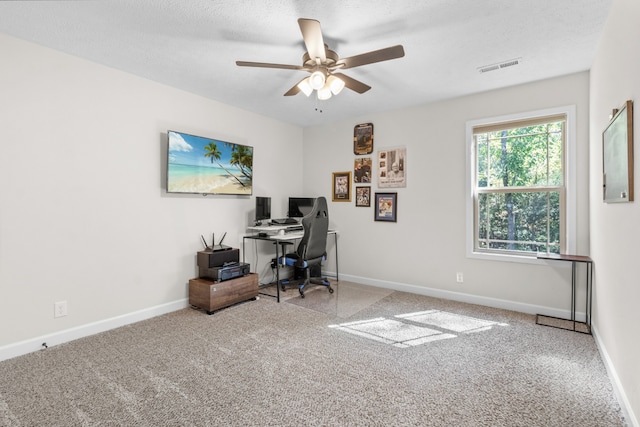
{"x":193,"y":45}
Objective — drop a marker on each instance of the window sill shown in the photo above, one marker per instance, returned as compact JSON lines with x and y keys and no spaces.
{"x":522,"y":259}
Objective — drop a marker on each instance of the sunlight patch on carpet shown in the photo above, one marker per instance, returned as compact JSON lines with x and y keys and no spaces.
{"x":393,"y":332}
{"x":403,"y":331}
{"x":451,"y":321}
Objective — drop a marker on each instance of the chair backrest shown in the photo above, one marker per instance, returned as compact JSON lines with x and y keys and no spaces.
{"x":313,"y":244}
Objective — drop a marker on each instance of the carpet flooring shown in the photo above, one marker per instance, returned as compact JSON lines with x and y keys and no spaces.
{"x":359,"y":357}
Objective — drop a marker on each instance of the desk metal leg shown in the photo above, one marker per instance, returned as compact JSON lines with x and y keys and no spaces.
{"x":278,"y":273}
{"x":277,"y":267}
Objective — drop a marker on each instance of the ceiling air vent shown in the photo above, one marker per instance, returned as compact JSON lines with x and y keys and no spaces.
{"x":509,"y":64}
{"x":499,"y":66}
{"x":489,"y":68}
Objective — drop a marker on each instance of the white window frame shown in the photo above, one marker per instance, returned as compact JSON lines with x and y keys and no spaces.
{"x":570,"y":174}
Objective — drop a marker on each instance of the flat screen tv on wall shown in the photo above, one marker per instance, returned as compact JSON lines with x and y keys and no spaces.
{"x":200,"y":165}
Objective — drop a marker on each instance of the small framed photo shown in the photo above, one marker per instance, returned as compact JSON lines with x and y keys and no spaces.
{"x":363,"y":138}
{"x":363,"y":196}
{"x":362,"y":170}
{"x":341,"y":187}
{"x":386,"y":207}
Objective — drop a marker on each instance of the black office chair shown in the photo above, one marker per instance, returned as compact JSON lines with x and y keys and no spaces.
{"x":312,"y":249}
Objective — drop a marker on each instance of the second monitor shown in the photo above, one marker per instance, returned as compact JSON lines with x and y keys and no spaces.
{"x":300,"y":206}
{"x":263,"y":209}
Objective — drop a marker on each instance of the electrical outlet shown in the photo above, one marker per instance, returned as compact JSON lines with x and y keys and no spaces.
{"x":459,"y":277}
{"x":60,"y":309}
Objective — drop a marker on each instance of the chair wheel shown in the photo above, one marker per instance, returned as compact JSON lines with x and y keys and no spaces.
{"x":330,"y":290}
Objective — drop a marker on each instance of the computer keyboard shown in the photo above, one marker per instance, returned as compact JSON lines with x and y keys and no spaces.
{"x":283,"y":221}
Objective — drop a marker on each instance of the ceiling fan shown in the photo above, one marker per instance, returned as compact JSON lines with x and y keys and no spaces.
{"x":322,"y":63}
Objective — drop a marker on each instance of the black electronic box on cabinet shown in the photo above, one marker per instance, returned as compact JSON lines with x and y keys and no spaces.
{"x":228,"y":271}
{"x":219,"y":265}
{"x":211,"y":259}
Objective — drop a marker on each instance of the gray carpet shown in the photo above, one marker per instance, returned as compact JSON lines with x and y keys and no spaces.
{"x":399,"y":359}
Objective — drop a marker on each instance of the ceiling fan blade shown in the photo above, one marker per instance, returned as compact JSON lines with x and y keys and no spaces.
{"x":353,"y":84}
{"x":371,"y":57}
{"x":312,"y":35}
{"x":294,"y":90}
{"x":268,"y":65}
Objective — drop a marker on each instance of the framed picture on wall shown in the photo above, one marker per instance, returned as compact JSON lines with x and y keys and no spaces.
{"x":341,"y":187}
{"x":392,"y":167}
{"x":362,"y":170}
{"x":363,"y":138}
{"x":363,"y":196}
{"x":386,"y":207}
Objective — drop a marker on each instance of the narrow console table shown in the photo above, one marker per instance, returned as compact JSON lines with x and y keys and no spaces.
{"x":574,"y":260}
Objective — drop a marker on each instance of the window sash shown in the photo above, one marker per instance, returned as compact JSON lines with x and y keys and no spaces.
{"x":548,"y":244}
{"x":551,"y":144}
{"x":484,"y":244}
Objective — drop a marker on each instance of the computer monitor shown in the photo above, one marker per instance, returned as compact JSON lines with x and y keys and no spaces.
{"x":300,"y":206}
{"x":263,"y":209}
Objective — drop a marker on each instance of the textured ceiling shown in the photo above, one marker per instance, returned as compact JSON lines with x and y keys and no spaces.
{"x":193,"y":45}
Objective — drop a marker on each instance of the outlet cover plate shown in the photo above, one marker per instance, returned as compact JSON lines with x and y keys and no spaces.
{"x":60,"y":309}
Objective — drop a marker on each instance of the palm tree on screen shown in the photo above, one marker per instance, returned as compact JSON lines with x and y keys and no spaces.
{"x":242,"y":157}
{"x":215,"y":154}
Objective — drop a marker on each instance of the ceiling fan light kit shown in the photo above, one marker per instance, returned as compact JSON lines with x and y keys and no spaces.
{"x":321,"y":62}
{"x":332,"y":86}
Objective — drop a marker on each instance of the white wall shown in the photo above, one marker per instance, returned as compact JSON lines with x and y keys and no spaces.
{"x":84,"y":216}
{"x":615,"y":228}
{"x":426,"y":247}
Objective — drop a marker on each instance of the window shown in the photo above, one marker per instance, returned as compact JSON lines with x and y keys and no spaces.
{"x":521,"y":199}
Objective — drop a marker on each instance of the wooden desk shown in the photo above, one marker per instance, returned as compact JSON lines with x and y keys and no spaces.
{"x":574,"y":260}
{"x":282,"y":240}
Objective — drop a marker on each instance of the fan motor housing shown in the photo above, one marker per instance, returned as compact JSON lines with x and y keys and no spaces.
{"x":331,"y":56}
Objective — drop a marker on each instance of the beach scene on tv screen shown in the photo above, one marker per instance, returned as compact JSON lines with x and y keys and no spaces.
{"x":208,"y":166}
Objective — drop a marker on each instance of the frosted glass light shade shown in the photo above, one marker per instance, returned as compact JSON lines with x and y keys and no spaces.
{"x":324,"y":93}
{"x":335,"y":84}
{"x":316,"y":80}
{"x":305,"y":87}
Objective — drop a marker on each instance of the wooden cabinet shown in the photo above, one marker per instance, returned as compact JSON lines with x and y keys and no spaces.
{"x":211,"y":296}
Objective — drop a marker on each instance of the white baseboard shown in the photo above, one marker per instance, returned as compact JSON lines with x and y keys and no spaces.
{"x":28,"y":346}
{"x":35,"y":344}
{"x":630,"y":417}
{"x":468,"y":298}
